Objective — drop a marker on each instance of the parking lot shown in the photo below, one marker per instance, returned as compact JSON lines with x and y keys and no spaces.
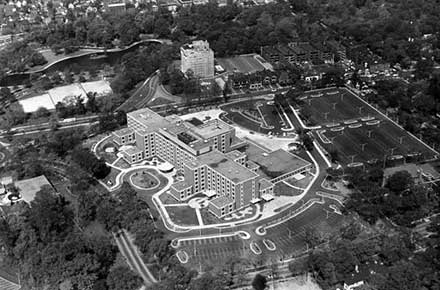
{"x":213,"y":251}
{"x":333,"y":106}
{"x":290,"y":238}
{"x":241,"y":64}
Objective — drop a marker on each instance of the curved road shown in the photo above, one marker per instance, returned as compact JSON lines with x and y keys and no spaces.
{"x":142,"y":95}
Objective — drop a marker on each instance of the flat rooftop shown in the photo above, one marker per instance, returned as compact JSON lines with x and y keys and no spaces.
{"x":130,"y":150}
{"x":221,"y":201}
{"x":277,"y":163}
{"x":235,"y":154}
{"x":225,"y":166}
{"x":29,"y":187}
{"x":211,"y":128}
{"x":149,"y":119}
{"x":264,"y":183}
{"x":180,"y":185}
{"x":123,"y":132}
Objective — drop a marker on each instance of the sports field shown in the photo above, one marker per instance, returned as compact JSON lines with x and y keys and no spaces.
{"x":241,"y":64}
{"x":358,"y":132}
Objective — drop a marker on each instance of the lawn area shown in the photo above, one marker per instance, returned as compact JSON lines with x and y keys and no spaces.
{"x":166,"y":198}
{"x":121,"y":163}
{"x":283,"y":189}
{"x":183,"y":215}
{"x":144,"y":179}
{"x":147,"y":193}
{"x":208,"y":218}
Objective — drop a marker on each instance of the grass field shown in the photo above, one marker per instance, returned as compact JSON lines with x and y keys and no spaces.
{"x":144,"y":180}
{"x":242,"y":64}
{"x":283,"y":189}
{"x":146,"y":194}
{"x":183,"y":215}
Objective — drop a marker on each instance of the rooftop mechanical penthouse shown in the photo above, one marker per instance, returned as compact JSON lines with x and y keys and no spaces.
{"x":212,"y":159}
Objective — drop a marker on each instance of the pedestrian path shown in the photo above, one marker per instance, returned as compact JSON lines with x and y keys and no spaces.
{"x":199,"y":217}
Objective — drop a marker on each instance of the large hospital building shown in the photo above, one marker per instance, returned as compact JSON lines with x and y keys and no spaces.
{"x":211,"y":158}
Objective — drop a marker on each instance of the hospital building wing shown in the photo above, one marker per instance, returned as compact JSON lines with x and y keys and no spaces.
{"x":209,"y":156}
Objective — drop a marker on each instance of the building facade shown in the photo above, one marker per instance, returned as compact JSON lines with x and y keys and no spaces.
{"x":197,"y":57}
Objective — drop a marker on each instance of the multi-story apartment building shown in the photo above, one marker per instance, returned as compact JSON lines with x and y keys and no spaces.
{"x":205,"y":153}
{"x":297,"y":52}
{"x":197,"y":57}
